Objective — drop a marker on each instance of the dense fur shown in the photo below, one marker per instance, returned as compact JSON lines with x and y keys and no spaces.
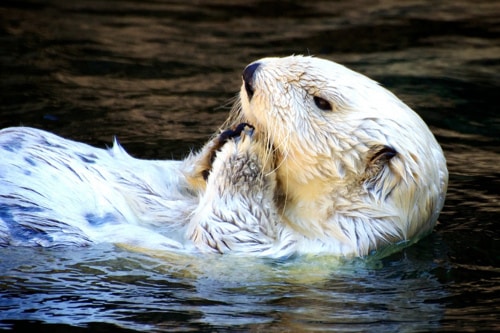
{"x":331,"y":163}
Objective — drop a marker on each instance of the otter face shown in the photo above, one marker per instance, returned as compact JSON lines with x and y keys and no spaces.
{"x":342,"y":142}
{"x":319,"y":114}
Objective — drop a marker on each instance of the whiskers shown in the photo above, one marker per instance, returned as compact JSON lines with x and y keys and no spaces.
{"x":236,"y":116}
{"x":278,"y":151}
{"x":275,"y":148}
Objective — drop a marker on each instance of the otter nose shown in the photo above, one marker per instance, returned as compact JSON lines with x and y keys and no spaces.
{"x":248,"y":78}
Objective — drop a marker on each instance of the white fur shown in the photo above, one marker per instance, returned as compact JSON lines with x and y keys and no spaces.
{"x":307,"y":195}
{"x":324,"y":154}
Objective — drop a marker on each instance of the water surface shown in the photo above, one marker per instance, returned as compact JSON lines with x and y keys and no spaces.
{"x":161,"y":76}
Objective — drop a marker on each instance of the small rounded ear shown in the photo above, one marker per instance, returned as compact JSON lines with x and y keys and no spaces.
{"x":378,"y":157}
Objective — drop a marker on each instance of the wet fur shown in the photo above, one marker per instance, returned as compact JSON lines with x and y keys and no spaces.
{"x":297,"y":179}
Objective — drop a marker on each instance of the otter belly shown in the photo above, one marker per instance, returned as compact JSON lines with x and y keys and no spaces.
{"x":55,"y":191}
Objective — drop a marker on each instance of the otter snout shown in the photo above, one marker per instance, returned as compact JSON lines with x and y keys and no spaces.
{"x":248,"y":78}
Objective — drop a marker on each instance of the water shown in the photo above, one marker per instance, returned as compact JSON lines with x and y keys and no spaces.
{"x":161,"y":76}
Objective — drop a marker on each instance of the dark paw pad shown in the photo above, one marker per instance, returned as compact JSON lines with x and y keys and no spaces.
{"x":230,"y":134}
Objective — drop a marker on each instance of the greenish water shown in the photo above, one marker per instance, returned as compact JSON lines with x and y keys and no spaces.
{"x":161,"y":76}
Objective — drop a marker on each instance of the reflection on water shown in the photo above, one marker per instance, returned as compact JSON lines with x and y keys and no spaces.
{"x":103,"y":284}
{"x":161,"y":76}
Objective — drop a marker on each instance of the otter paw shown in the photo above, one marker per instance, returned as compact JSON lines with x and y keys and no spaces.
{"x":241,"y":165}
{"x":243,"y":129}
{"x":236,"y":133}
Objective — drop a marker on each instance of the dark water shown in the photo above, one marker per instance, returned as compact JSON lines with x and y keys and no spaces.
{"x":161,"y":75}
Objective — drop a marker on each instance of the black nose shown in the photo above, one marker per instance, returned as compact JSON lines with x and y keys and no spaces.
{"x":249,"y":78}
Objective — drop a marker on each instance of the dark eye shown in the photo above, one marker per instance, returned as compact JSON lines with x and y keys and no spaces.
{"x":322,"y":104}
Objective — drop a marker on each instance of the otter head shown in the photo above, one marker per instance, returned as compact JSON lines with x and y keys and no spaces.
{"x":352,"y":161}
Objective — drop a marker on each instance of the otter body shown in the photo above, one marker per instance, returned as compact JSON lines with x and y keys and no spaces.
{"x":314,"y":158}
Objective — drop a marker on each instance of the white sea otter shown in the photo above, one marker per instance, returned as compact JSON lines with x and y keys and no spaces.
{"x":316,"y":159}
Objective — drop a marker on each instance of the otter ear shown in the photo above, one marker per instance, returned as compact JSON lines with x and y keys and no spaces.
{"x":378,"y":157}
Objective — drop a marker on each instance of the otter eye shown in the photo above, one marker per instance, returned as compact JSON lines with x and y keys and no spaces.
{"x":322,"y":104}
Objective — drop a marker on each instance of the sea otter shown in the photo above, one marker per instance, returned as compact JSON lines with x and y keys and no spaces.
{"x":314,"y":158}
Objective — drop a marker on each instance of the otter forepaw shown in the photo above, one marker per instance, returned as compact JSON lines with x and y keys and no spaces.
{"x":243,"y":129}
{"x":236,"y":133}
{"x":201,"y":163}
{"x":242,"y":164}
